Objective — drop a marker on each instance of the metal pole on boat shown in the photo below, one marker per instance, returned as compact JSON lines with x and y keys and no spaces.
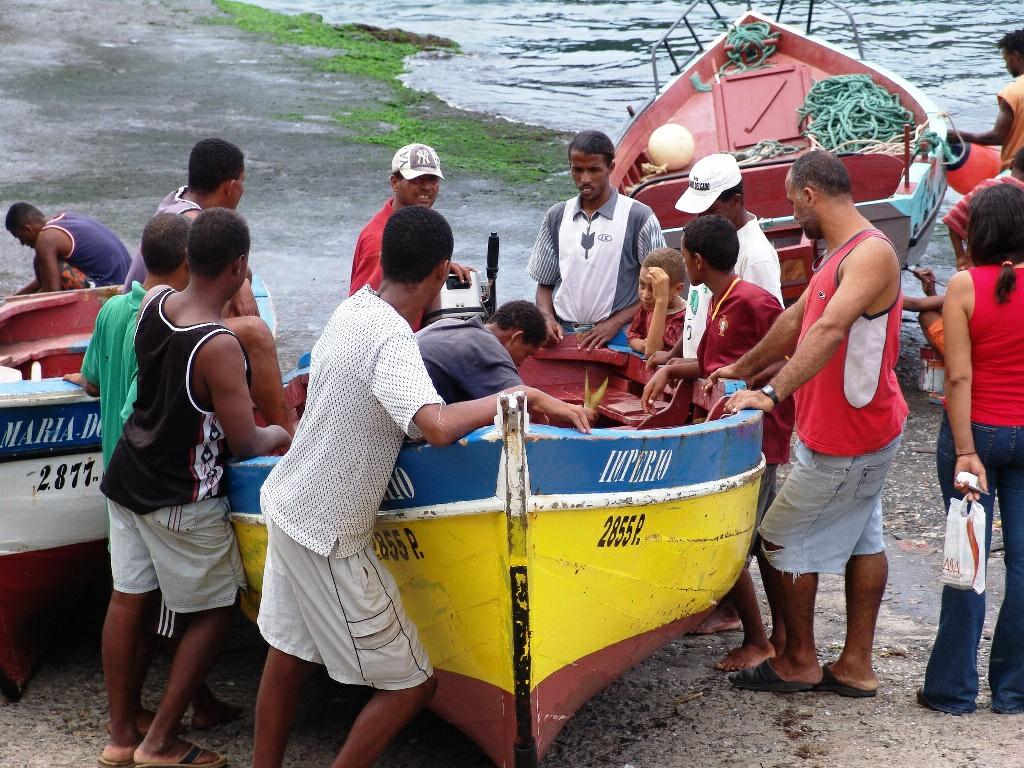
{"x":515,"y":479}
{"x":906,"y":155}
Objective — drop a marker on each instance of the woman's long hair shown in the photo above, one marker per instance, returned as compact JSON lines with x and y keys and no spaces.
{"x":995,"y":234}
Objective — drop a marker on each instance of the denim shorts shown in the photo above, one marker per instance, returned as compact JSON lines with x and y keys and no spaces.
{"x":829,"y":509}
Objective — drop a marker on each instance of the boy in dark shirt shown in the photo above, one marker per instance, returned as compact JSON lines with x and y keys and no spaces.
{"x":164,"y":485}
{"x":740,"y":314}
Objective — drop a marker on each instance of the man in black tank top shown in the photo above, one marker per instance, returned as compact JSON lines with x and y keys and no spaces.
{"x":193,"y":408}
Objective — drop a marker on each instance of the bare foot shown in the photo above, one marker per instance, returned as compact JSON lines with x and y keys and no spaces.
{"x":114,"y":754}
{"x":778,"y":641}
{"x":720,"y":620}
{"x":142,"y":720}
{"x":182,"y":752}
{"x":747,"y":656}
{"x":865,"y":682}
{"x":212,"y":711}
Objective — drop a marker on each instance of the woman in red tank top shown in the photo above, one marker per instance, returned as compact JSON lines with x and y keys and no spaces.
{"x":983,"y":433}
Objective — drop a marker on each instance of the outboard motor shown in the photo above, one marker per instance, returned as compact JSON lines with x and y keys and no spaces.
{"x":464,"y":300}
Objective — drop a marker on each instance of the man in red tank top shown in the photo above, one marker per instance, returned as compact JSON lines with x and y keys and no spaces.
{"x":843,"y":336}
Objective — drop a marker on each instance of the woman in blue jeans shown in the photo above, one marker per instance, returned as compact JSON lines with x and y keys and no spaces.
{"x":983,"y":433}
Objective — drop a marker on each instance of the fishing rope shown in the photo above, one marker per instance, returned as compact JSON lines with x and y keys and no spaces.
{"x":852,"y":112}
{"x":746,"y":47}
{"x":763,"y":150}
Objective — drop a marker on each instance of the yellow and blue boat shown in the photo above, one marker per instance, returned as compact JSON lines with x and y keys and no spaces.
{"x":538,"y":563}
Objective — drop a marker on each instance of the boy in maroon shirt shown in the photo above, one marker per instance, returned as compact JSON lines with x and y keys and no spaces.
{"x":658,"y":322}
{"x":740,"y":315}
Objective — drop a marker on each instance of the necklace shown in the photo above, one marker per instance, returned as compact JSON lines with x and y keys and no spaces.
{"x":725,"y":296}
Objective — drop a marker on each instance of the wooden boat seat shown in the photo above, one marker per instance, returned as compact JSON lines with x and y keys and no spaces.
{"x":24,"y":353}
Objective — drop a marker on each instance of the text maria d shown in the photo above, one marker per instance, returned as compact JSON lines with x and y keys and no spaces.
{"x":45,"y":431}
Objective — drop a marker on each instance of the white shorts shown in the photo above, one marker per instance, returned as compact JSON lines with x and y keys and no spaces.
{"x":190,"y":550}
{"x":345,"y":613}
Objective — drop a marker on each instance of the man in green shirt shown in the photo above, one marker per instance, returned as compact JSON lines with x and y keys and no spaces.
{"x":109,"y":372}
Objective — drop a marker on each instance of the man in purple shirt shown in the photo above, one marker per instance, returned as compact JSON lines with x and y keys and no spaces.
{"x":71,"y":250}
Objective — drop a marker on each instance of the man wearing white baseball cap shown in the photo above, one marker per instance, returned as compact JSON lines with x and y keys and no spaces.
{"x":415,"y":180}
{"x":716,"y":187}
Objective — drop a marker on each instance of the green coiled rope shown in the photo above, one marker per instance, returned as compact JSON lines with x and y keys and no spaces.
{"x":851,"y":110}
{"x":749,"y":50}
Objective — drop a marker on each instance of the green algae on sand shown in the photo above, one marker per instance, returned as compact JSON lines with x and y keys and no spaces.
{"x":467,"y":140}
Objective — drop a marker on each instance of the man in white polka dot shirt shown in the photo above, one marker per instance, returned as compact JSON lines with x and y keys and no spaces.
{"x":326,"y":599}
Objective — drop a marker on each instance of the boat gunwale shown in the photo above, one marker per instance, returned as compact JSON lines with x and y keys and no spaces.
{"x":554,"y":502}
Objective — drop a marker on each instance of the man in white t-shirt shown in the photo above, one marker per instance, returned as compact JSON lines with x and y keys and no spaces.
{"x":716,"y":187}
{"x":326,"y":598}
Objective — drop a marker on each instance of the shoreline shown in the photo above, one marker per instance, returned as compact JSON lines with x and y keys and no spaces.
{"x":100,"y":119}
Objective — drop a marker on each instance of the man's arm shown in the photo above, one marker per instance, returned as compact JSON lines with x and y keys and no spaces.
{"x":243,"y":303}
{"x":683,"y":369}
{"x":959,"y":250}
{"x":999,"y":132}
{"x":546,"y":304}
{"x":218,"y":378}
{"x":444,"y":424}
{"x":868,"y":276}
{"x":50,"y":246}
{"x":656,"y":332}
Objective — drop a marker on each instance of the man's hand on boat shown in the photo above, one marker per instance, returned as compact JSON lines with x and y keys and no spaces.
{"x":554,"y":410}
{"x":600,"y":334}
{"x":749,"y":399}
{"x":461,"y":272}
{"x":658,"y":358}
{"x":76,"y":378}
{"x":243,"y":303}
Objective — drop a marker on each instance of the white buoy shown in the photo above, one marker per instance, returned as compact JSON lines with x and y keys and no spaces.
{"x":36,"y":371}
{"x":9,"y":375}
{"x":671,"y":145}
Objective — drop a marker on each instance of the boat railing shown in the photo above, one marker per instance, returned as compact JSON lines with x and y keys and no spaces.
{"x":665,"y":41}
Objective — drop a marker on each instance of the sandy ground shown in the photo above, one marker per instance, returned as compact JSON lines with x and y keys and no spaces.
{"x":100,"y":105}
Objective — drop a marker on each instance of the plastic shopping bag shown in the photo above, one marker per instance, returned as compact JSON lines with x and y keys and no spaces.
{"x":963,"y":563}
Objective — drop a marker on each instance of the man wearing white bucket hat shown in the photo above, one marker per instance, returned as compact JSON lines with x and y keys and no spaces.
{"x":716,"y":187}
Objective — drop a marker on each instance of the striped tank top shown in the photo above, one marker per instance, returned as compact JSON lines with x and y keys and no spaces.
{"x":172,"y":450}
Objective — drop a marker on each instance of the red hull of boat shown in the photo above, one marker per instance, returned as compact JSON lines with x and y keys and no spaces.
{"x":34,"y":588}
{"x":487,"y":714}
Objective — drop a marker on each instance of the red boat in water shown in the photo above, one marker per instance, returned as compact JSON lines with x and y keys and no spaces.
{"x":742,"y":109}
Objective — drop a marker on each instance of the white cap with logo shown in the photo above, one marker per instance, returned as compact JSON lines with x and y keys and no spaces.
{"x":415,"y":160}
{"x":709,"y":178}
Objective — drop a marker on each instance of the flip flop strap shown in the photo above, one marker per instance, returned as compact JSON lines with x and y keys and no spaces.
{"x":191,"y":756}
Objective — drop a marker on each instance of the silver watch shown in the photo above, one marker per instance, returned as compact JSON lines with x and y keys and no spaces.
{"x":769,"y":390}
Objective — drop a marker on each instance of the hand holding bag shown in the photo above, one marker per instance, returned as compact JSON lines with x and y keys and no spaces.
{"x":963,"y":563}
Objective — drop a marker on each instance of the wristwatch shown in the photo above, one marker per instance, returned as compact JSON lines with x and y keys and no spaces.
{"x":769,"y":390}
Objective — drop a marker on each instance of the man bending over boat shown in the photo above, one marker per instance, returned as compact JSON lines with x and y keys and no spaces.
{"x":216,"y":179}
{"x":1008,"y":131}
{"x":415,"y":180}
{"x":741,"y":314}
{"x":71,"y":251}
{"x":108,"y":372}
{"x":326,"y":598}
{"x":843,"y":338}
{"x":468,"y":359}
{"x":164,"y":485}
{"x":716,"y":189}
{"x":587,"y":256}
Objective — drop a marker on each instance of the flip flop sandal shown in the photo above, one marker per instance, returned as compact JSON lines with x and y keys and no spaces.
{"x":188,"y":760}
{"x":764,"y":678}
{"x":102,"y":762}
{"x":831,"y":684}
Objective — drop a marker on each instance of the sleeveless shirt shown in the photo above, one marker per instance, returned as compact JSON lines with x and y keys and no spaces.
{"x":853,"y":405}
{"x":95,"y":250}
{"x":173,"y":203}
{"x":172,"y":451}
{"x":997,"y":351}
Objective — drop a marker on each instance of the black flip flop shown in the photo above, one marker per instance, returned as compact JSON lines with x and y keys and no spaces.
{"x":831,"y":684}
{"x":764,"y":678}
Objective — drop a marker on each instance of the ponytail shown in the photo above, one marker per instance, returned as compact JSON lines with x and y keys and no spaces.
{"x":1006,"y":282}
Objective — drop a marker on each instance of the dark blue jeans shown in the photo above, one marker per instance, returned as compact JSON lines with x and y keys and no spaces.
{"x":951,"y":680}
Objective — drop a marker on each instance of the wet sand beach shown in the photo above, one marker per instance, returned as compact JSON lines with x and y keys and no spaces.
{"x":100,"y":105}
